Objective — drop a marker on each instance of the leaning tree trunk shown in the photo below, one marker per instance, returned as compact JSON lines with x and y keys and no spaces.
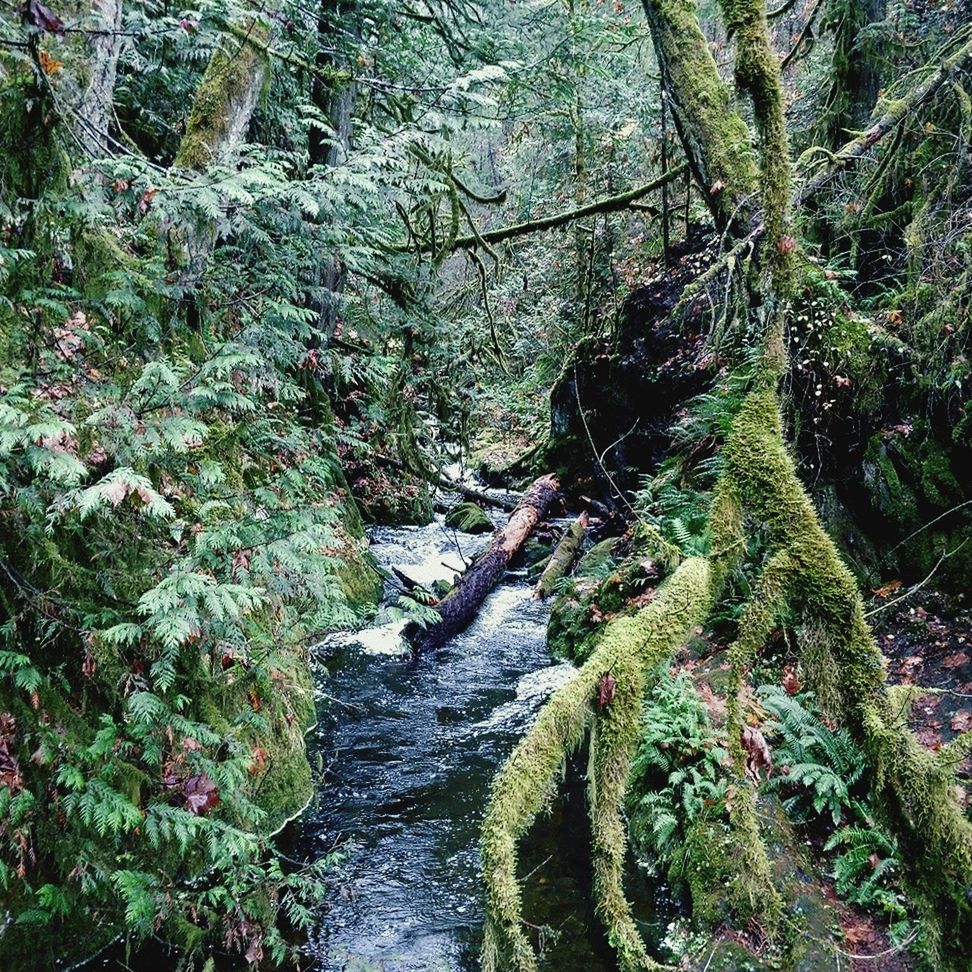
{"x":716,"y":140}
{"x":460,"y":605}
{"x":225,"y":100}
{"x":221,"y":112}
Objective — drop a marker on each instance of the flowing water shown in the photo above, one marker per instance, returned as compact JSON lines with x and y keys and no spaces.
{"x":410,"y":747}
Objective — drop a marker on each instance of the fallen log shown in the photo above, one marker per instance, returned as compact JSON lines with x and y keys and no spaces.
{"x":563,"y":556}
{"x":460,"y":605}
{"x":407,"y":582}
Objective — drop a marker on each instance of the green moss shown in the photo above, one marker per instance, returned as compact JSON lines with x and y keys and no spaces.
{"x":579,"y":615}
{"x":469,"y":518}
{"x":889,"y":494}
{"x":936,"y":479}
{"x":232,"y":78}
{"x":597,"y":560}
{"x":914,"y":787}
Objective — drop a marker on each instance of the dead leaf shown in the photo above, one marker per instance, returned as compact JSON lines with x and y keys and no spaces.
{"x":757,"y":753}
{"x":201,"y":794}
{"x":259,"y":763}
{"x":961,"y":721}
{"x":790,"y":681}
{"x":956,"y":660}
{"x":605,"y":690}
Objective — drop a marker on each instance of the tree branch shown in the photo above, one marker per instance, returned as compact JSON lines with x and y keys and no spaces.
{"x":610,"y":205}
{"x":895,"y":113}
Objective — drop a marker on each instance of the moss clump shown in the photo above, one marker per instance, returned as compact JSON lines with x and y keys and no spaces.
{"x":468,"y":518}
{"x":913,"y":787}
{"x":578,"y":615}
{"x":890,"y":495}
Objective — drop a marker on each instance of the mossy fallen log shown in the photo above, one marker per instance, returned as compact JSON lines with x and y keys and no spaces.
{"x":563,"y":556}
{"x":460,"y":605}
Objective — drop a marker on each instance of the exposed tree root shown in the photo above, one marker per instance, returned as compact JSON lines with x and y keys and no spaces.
{"x":629,"y":648}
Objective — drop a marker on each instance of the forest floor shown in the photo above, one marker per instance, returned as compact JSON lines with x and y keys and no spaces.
{"x":927,"y":639}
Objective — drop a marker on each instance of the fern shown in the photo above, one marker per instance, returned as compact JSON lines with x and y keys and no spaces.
{"x":865,"y":871}
{"x":825,"y":767}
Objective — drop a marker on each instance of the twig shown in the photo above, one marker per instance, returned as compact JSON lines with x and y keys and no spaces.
{"x":920,"y":584}
{"x":941,"y":516}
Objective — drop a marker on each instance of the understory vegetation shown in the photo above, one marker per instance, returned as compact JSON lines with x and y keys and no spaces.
{"x":270,"y":274}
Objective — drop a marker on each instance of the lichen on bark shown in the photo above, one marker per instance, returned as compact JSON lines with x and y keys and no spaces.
{"x":225,"y":100}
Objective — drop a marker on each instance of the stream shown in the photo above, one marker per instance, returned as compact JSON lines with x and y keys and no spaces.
{"x":409,"y":749}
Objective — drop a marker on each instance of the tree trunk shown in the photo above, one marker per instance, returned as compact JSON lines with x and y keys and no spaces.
{"x":714,"y":135}
{"x":221,"y":112}
{"x":562,"y":557}
{"x":104,"y":46}
{"x":460,"y":605}
{"x":855,"y":78}
{"x":225,"y":100}
{"x":335,"y":101}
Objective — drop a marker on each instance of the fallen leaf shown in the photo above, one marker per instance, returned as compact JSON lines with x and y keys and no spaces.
{"x":201,"y":794}
{"x":888,"y":589}
{"x":961,"y":721}
{"x":605,"y":690}
{"x":956,"y":660}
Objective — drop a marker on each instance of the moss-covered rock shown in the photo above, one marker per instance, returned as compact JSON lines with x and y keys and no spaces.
{"x":468,"y":518}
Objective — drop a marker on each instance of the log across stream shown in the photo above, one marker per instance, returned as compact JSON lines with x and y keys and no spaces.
{"x":410,"y":747}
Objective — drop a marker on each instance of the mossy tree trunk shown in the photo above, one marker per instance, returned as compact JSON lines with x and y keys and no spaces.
{"x":225,"y":100}
{"x":563,"y":556}
{"x":715,"y":137}
{"x":803,"y":575}
{"x":221,"y":112}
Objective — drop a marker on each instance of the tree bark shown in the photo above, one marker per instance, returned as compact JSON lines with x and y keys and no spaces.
{"x":460,"y":605}
{"x":335,"y":101}
{"x":104,"y":46}
{"x":562,"y":557}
